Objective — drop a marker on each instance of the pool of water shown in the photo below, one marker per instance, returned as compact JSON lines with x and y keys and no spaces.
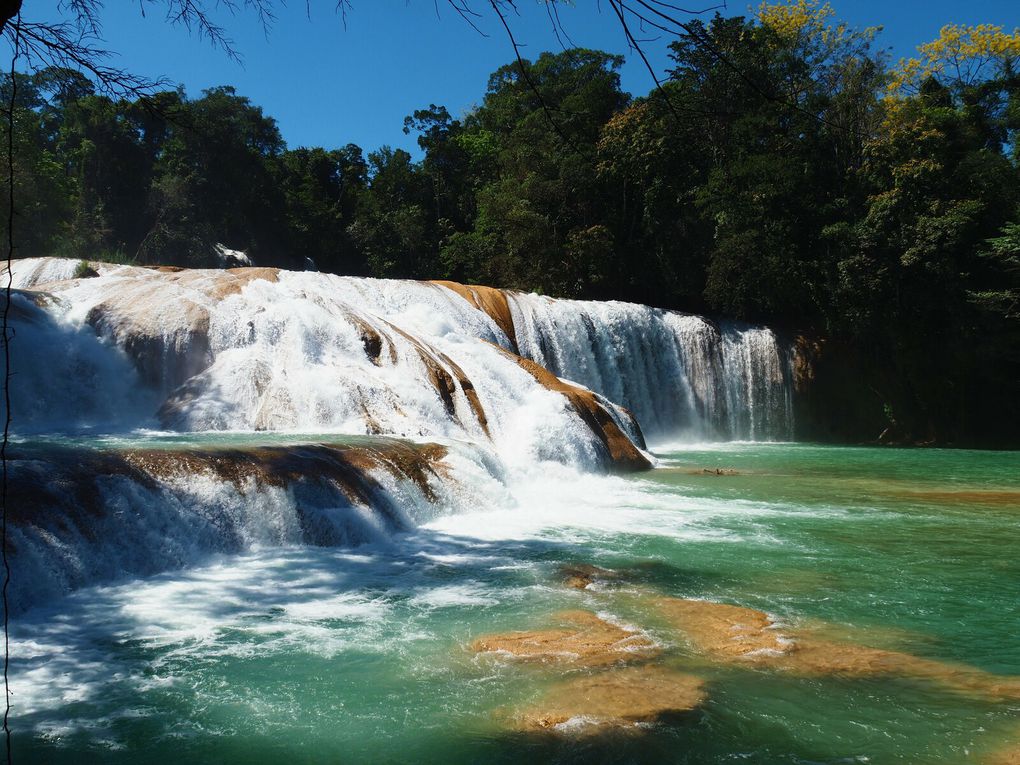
{"x":307,"y":654}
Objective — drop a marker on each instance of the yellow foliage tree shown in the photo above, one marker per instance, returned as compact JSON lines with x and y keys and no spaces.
{"x":808,"y":28}
{"x":808,"y":24}
{"x":796,"y":19}
{"x":962,"y":55}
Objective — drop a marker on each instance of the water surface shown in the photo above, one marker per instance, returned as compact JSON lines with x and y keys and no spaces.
{"x":312,"y":654}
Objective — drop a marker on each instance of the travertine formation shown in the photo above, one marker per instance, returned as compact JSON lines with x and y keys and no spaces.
{"x":580,"y":638}
{"x":618,"y":687}
{"x":262,"y":349}
{"x":734,"y":633}
{"x":65,"y":486}
{"x":619,"y":698}
{"x":491,"y":301}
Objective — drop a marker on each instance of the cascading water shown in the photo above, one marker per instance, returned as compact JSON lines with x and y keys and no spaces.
{"x":265,"y":351}
{"x":682,"y":376}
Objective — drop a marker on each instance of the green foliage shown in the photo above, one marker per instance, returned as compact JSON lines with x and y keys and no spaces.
{"x":84,"y":270}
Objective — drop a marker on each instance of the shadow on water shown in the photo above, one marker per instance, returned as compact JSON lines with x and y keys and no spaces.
{"x":668,"y":577}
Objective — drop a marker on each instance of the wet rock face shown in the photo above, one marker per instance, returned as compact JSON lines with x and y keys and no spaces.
{"x":347,"y":467}
{"x":445,"y":375}
{"x":161,"y":324}
{"x":164,"y":355}
{"x":622,"y":453}
{"x":63,"y":488}
{"x":160,"y":316}
{"x":490,"y":301}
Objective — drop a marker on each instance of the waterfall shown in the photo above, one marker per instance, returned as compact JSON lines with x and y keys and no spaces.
{"x":82,"y":513}
{"x":164,"y":414}
{"x":681,"y":375}
{"x":260,"y":349}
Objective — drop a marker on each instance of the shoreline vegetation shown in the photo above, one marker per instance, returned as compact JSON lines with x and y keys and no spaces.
{"x":797,"y":179}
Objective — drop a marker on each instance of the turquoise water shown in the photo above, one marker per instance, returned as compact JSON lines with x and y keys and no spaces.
{"x":324,"y":655}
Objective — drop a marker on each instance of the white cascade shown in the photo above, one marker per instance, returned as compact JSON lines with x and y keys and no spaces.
{"x":682,"y":376}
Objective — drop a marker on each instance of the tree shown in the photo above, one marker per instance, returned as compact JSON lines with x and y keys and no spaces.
{"x":394,"y":229}
{"x":532,"y":144}
{"x":775,"y":103}
{"x":215,"y":181}
{"x":324,"y":192}
{"x":108,"y":165}
{"x":42,"y":188}
{"x":976,"y":68}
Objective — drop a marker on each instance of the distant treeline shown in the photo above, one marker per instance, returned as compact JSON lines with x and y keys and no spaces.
{"x":784,"y":172}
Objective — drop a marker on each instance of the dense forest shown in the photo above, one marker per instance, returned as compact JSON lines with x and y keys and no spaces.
{"x":784,"y":172}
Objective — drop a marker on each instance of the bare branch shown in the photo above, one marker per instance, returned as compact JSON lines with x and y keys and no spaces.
{"x":467,"y":14}
{"x":59,"y":46}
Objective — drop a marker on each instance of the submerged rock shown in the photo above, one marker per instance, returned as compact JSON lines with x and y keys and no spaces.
{"x":582,"y":639}
{"x":1004,"y":498}
{"x":617,"y":698}
{"x":1008,"y":756}
{"x":580,"y":575}
{"x":725,"y":631}
{"x":734,"y":633}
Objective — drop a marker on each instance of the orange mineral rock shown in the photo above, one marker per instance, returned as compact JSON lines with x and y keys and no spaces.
{"x":581,"y":639}
{"x":617,"y":698}
{"x":734,"y":633}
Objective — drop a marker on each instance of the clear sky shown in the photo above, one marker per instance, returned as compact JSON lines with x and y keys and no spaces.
{"x":328,"y":86}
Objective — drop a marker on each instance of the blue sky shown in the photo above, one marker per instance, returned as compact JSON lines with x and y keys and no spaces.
{"x":328,"y":86}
